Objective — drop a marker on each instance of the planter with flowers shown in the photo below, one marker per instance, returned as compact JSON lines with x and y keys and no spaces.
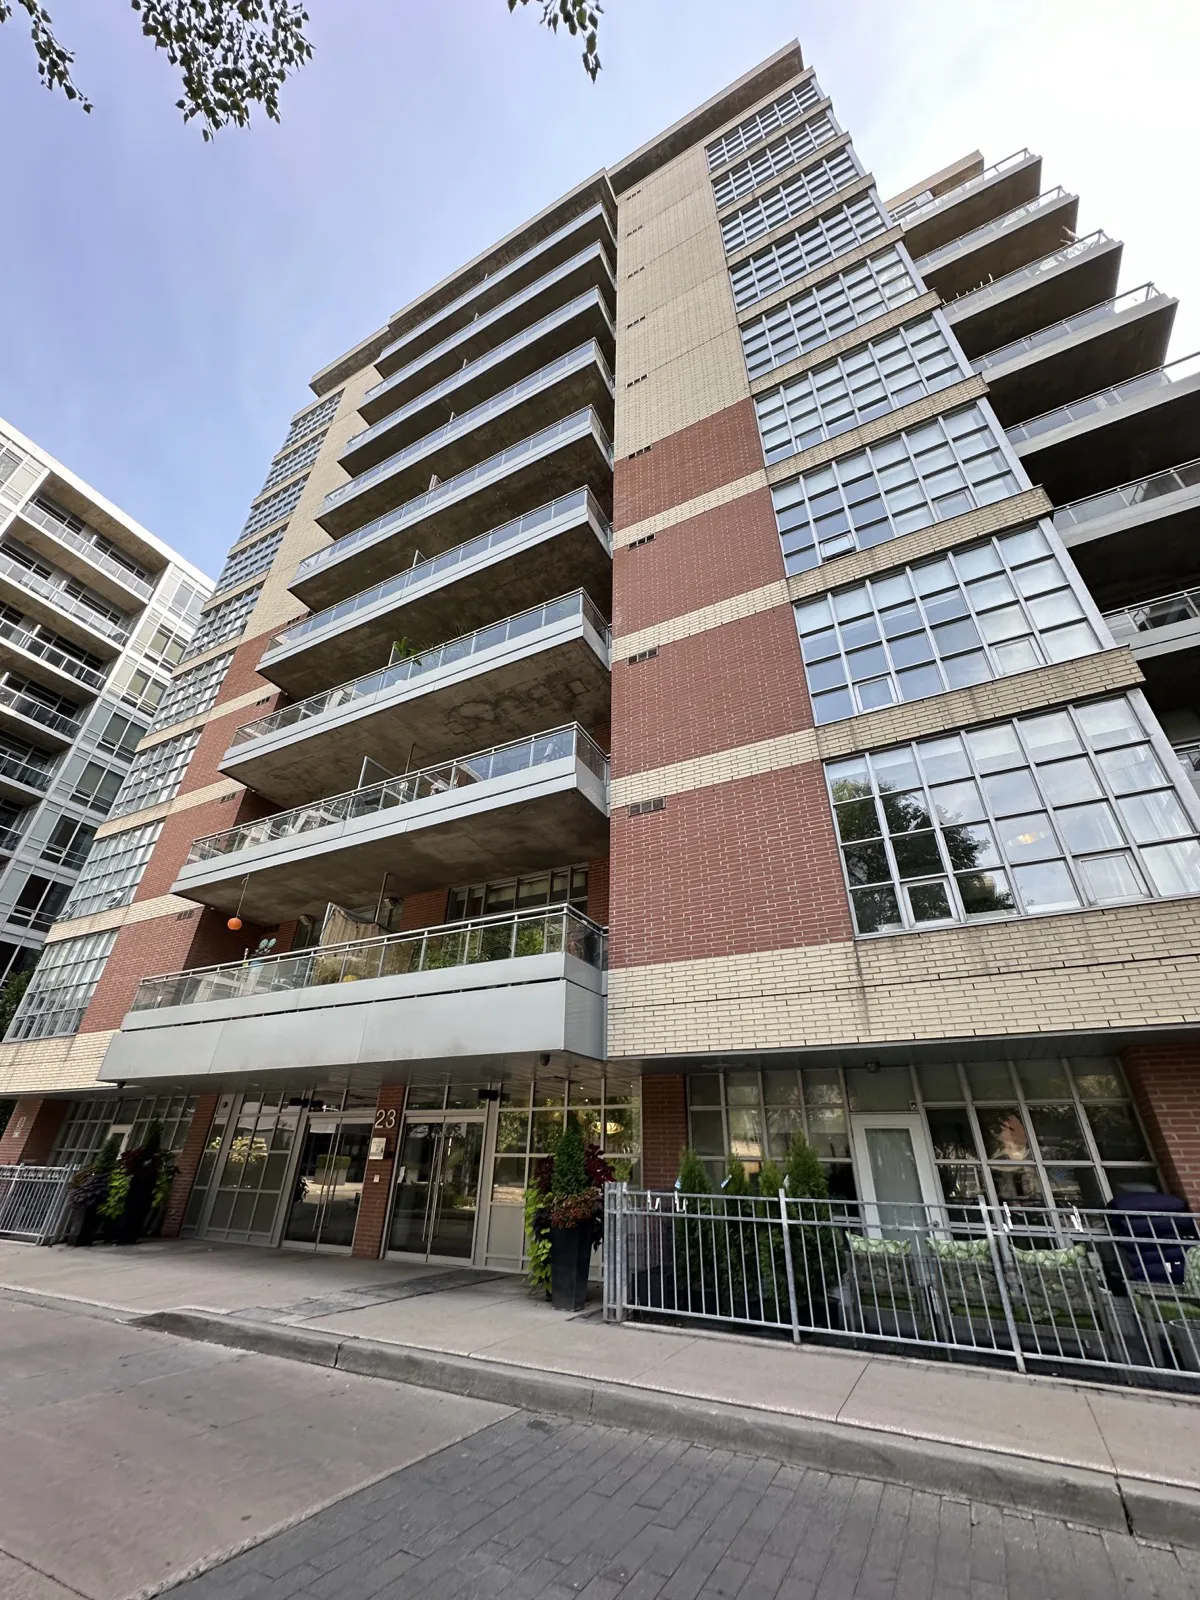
{"x":564,"y":1217}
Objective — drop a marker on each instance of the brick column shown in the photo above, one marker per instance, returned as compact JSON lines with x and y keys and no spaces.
{"x":1165,"y":1080}
{"x":377,"y":1184}
{"x":32,"y":1130}
{"x":188,"y":1163}
{"x":664,"y":1129}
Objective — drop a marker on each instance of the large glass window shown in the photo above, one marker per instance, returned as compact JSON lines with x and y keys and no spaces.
{"x":749,"y":1115}
{"x":249,"y":561}
{"x":88,"y":1123}
{"x":532,"y":1116}
{"x":295,"y":461}
{"x":821,"y":241}
{"x":121,"y":736}
{"x":1051,"y":812}
{"x":786,"y":109}
{"x":69,"y":842}
{"x":192,"y":692}
{"x":566,"y":886}
{"x":790,"y":199}
{"x":156,"y":773}
{"x":777,"y":157}
{"x":967,"y":617}
{"x":97,"y":786}
{"x":315,"y":417}
{"x":113,"y":870}
{"x":39,"y":902}
{"x":275,"y":507}
{"x":891,"y":371}
{"x":63,"y":983}
{"x":223,"y":621}
{"x":928,"y":474}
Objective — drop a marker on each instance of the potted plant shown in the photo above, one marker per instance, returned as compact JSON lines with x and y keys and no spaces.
{"x":575,"y":1218}
{"x":537,"y":1228}
{"x":89,"y":1193}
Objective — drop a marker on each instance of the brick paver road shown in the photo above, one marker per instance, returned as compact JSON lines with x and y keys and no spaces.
{"x":541,"y":1509}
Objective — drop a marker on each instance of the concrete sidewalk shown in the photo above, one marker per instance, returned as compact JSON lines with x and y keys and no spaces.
{"x":1095,"y":1453}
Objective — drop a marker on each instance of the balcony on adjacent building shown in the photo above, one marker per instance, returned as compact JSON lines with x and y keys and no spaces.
{"x":23,"y":648}
{"x":1104,"y":344}
{"x":1140,"y":536}
{"x":1189,"y":760}
{"x":517,"y":987}
{"x":516,"y":808}
{"x":583,"y":318}
{"x":1125,"y":431}
{"x":1164,"y":634}
{"x":30,"y":718}
{"x":68,"y":543}
{"x":496,"y":574}
{"x":579,"y":379}
{"x":546,"y":666}
{"x":589,"y":228}
{"x":997,"y":310}
{"x":21,"y":780}
{"x":1003,"y":245}
{"x":566,"y":455}
{"x":994,"y":192}
{"x":49,"y":601}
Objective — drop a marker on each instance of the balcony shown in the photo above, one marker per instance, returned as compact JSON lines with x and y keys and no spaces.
{"x":994,"y":312}
{"x":559,"y":459}
{"x":1189,"y":760}
{"x":585,"y":317}
{"x":1164,"y":635}
{"x":28,"y":718}
{"x":1142,"y":535}
{"x":44,"y":662}
{"x":575,"y":380}
{"x":546,"y":666}
{"x":22,"y":780}
{"x":49,"y":602}
{"x":1103,"y":344}
{"x":459,"y":995}
{"x":995,"y":192}
{"x":591,"y":228}
{"x":1003,"y":245}
{"x":494,"y":575}
{"x":1126,"y":431}
{"x":68,"y":545}
{"x":516,"y":808}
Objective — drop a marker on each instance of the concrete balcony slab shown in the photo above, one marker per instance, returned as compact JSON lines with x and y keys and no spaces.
{"x":1000,"y":247}
{"x":26,"y":652}
{"x":1140,"y":537}
{"x":992,"y":194}
{"x":49,"y":536}
{"x":997,"y":310}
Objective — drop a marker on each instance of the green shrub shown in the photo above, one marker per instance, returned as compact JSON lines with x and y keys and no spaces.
{"x":736,"y":1182}
{"x":693,"y":1174}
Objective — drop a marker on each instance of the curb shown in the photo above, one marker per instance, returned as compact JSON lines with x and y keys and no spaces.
{"x":1162,"y":1512}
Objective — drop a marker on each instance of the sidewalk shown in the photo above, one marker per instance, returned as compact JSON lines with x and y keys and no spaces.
{"x":1098,"y":1454}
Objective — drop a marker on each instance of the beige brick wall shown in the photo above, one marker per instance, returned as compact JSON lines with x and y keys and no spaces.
{"x":48,"y":1066}
{"x":162,"y":905}
{"x":168,"y":808}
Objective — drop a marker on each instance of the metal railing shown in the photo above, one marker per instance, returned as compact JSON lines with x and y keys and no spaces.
{"x":983,"y":292}
{"x":1128,"y":495}
{"x":1102,"y":312}
{"x":1098,"y":1294}
{"x":546,"y":931}
{"x":129,"y":577}
{"x":33,"y":1202}
{"x":452,"y":652}
{"x":579,"y":423}
{"x":1117,"y":394}
{"x":584,"y":355}
{"x":1189,"y":755}
{"x":20,"y":574}
{"x":916,"y":208}
{"x":25,"y":639}
{"x":24,"y":772}
{"x":501,"y":761}
{"x":1048,"y":197}
{"x":26,"y":706}
{"x":1161,"y":612}
{"x":435,"y":566}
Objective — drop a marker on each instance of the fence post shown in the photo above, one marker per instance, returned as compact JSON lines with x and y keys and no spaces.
{"x":1002,"y":1285}
{"x":791,"y":1274}
{"x":618,"y":1295}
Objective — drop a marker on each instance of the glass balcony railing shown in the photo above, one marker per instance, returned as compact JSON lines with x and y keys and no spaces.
{"x":548,"y":931}
{"x":129,"y":577}
{"x":30,"y":642}
{"x":501,"y":761}
{"x":1189,"y":755}
{"x":1161,"y":612}
{"x":333,"y":617}
{"x":1103,"y":312}
{"x":484,"y":363}
{"x":913,"y":210}
{"x":70,"y":604}
{"x":965,"y":241}
{"x":495,"y":467}
{"x":24,"y":772}
{"x":27,"y":706}
{"x":1117,"y":395}
{"x":1128,"y":495}
{"x":972,"y":299}
{"x":444,"y":655}
{"x":574,"y":361}
{"x":10,"y":838}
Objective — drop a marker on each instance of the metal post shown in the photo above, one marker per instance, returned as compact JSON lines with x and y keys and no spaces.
{"x":619,"y":1250}
{"x":787,"y":1261}
{"x":1005,"y":1301}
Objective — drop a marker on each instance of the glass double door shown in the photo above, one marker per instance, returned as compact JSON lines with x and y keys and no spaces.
{"x":327,"y":1186}
{"x":437,"y":1187}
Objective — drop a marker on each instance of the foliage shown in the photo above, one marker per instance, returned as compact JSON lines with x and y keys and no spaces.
{"x":574,"y":1198}
{"x":580,"y":20}
{"x":770,"y":1179}
{"x":162,"y":1185}
{"x":112,"y":1207}
{"x":11,"y":992}
{"x":816,"y":1256}
{"x":693,"y":1174}
{"x":537,"y":1239}
{"x":736,"y":1182}
{"x":90,"y":1185}
{"x":806,"y":1178}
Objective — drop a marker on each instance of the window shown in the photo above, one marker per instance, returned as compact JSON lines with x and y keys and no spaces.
{"x":69,"y":842}
{"x":40,"y":901}
{"x":747,"y":1116}
{"x":776,"y":158}
{"x":63,"y":983}
{"x":294,"y":461}
{"x":223,"y":621}
{"x":185,"y":601}
{"x":143,"y":691}
{"x":104,"y":546}
{"x":166,"y":645}
{"x":156,"y":774}
{"x":33,"y":699}
{"x":113,"y":870}
{"x":786,"y":109}
{"x":24,"y":763}
{"x":854,"y":297}
{"x":86,"y":1125}
{"x":315,"y":417}
{"x":824,"y":240}
{"x":566,"y":886}
{"x":121,"y":736}
{"x":96,"y":787}
{"x":192,"y":692}
{"x":250,"y":561}
{"x":532,"y":1115}
{"x":798,"y":194}
{"x":924,"y":475}
{"x":275,"y":507}
{"x":890,"y":372}
{"x":1046,"y":813}
{"x":967,"y":617}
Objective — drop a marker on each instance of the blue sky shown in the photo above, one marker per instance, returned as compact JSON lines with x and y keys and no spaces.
{"x":168,"y":300}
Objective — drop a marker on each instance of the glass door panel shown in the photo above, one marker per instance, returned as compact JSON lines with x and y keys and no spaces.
{"x":344,"y":1185}
{"x":308,"y":1191}
{"x":414,"y":1183}
{"x":457,"y":1199}
{"x":896,"y":1175}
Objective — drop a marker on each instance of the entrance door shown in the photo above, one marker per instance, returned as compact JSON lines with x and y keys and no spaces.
{"x":327,"y":1188}
{"x":437,"y":1187}
{"x":896,"y":1174}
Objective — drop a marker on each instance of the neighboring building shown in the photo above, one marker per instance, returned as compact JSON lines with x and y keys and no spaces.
{"x":899,"y":844}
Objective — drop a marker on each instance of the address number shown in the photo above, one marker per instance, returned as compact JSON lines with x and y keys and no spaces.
{"x":385,"y":1119}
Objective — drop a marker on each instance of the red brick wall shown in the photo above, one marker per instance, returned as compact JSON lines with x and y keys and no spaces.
{"x":425,"y":910}
{"x":1165,"y":1080}
{"x":32,"y":1130}
{"x":706,"y":455}
{"x":377,"y":1187}
{"x":664,"y":1129}
{"x":187,"y":1163}
{"x":597,"y":901}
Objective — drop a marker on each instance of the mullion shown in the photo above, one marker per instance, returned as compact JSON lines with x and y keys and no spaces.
{"x":805,"y":141}
{"x":993,"y":818}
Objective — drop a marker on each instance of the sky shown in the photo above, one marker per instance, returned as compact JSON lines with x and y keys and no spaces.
{"x":166,"y":301}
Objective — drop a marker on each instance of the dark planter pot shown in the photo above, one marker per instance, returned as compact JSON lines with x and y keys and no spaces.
{"x":570,"y":1262}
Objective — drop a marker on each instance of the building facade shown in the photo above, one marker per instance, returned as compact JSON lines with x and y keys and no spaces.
{"x":723,"y":661}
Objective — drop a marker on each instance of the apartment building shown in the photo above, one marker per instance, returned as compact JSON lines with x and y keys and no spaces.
{"x":723,"y":661}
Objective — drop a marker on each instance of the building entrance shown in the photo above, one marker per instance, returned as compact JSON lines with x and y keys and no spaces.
{"x":438,"y":1170}
{"x":327,"y":1187}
